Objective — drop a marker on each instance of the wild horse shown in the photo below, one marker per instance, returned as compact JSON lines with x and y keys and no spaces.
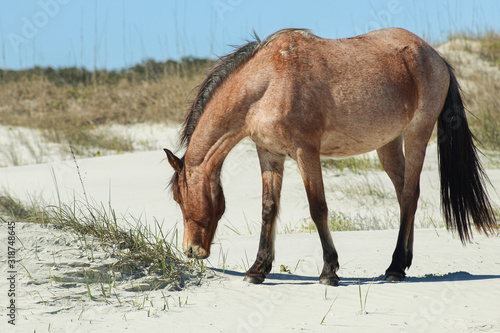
{"x":298,"y":95}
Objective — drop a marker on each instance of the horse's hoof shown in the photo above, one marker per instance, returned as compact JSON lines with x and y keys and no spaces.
{"x":253,"y":279}
{"x":394,"y":277}
{"x":330,"y":282}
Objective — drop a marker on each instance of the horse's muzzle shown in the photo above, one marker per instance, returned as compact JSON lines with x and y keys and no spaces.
{"x":196,"y":252}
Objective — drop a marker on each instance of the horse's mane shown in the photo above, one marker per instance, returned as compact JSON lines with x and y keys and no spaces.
{"x":227,"y":65}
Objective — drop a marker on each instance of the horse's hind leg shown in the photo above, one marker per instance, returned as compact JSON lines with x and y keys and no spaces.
{"x":310,"y":169}
{"x":393,"y":161}
{"x":272,"y":174}
{"x":415,"y":144}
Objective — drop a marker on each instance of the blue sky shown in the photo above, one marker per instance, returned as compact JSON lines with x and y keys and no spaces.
{"x":114,"y":34}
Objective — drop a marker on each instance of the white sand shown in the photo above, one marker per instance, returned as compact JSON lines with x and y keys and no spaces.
{"x":450,"y":288}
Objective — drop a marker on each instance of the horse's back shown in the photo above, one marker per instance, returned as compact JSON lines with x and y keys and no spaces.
{"x":352,"y":95}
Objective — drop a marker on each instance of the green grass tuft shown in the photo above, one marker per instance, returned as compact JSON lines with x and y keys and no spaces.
{"x":337,"y":221}
{"x":354,"y":164}
{"x":139,"y":250}
{"x":13,"y":207}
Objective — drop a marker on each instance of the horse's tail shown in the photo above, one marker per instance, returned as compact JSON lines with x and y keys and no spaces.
{"x":464,"y":198}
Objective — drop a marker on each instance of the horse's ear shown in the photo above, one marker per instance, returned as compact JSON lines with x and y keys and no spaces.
{"x":174,"y":161}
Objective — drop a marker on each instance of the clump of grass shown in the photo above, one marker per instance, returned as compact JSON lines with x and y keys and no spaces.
{"x":139,"y":250}
{"x":86,"y":138}
{"x":337,"y":221}
{"x":13,"y":207}
{"x":354,"y":164}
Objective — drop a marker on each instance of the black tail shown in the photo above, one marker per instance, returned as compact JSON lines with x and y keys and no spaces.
{"x":463,"y":195}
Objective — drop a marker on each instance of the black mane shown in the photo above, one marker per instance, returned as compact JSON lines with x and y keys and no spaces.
{"x":226,"y":66}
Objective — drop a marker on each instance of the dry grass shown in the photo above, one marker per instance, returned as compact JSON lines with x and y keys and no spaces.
{"x":68,"y":111}
{"x":42,"y":104}
{"x":484,"y":103}
{"x":476,"y":59}
{"x":489,"y":42}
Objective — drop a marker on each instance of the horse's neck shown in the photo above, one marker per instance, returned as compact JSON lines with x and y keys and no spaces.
{"x":211,"y":142}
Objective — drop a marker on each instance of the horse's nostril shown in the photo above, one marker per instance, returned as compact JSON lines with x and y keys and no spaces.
{"x":190,"y":252}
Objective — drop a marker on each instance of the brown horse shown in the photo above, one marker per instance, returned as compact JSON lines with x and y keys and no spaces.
{"x":298,"y":95}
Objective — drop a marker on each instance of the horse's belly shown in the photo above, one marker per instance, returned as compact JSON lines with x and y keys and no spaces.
{"x":361,"y":127}
{"x":341,"y":145}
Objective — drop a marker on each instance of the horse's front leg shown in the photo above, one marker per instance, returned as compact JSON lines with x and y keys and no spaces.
{"x":271,"y":165}
{"x":310,"y":168}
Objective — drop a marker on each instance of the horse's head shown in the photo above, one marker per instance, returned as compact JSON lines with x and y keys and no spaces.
{"x":202,"y":204}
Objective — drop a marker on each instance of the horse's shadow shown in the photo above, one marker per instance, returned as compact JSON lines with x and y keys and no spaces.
{"x":289,"y":278}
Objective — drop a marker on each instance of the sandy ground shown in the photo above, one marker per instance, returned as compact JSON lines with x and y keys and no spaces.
{"x":450,"y":288}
